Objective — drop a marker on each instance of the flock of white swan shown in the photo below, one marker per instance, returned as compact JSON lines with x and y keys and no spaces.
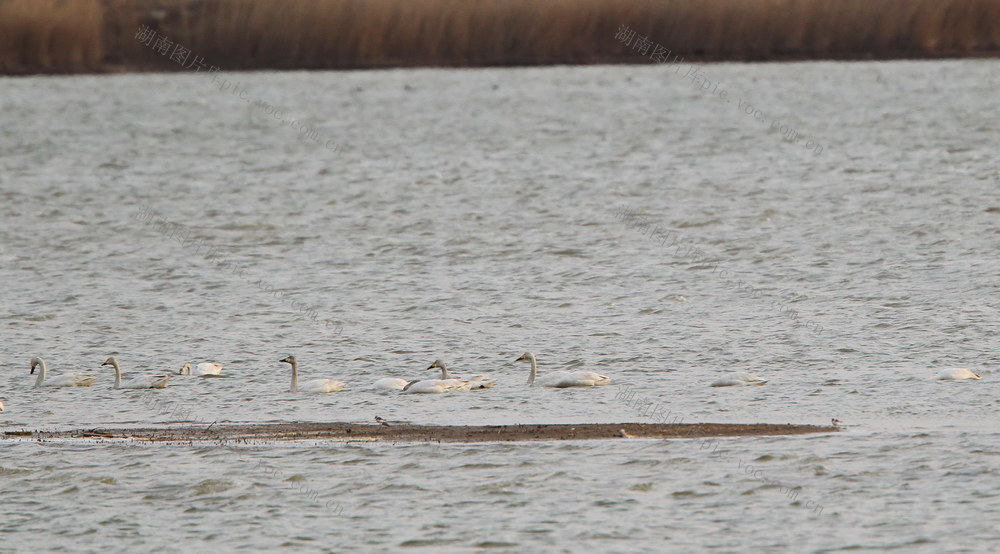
{"x":447,"y":383}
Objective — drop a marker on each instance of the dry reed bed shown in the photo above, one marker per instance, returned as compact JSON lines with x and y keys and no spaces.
{"x":57,"y":36}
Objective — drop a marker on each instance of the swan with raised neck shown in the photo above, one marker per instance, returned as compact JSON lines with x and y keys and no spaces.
{"x":142,"y":382}
{"x":477,"y":382}
{"x":68,"y":380}
{"x":313,"y":385}
{"x":563,"y":379}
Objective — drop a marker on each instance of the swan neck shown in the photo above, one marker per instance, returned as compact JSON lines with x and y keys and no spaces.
{"x":295,"y":376}
{"x":118,"y":373}
{"x":444,"y":372}
{"x":534,"y":369}
{"x":41,"y":373}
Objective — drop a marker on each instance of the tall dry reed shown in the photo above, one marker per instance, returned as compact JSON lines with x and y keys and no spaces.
{"x":51,"y":37}
{"x":98,"y":35}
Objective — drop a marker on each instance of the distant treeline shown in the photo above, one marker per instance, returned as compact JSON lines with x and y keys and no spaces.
{"x":71,"y":36}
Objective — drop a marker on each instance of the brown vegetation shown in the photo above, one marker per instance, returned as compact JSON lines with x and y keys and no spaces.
{"x":56,"y":36}
{"x":50,"y":37}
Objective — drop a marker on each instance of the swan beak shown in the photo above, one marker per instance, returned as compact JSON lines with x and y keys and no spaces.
{"x":32,"y":372}
{"x":519,"y":358}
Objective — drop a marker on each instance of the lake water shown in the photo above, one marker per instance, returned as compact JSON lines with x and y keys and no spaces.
{"x":614,"y":218}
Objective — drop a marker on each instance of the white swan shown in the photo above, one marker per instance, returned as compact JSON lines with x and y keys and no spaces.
{"x":1,"y":406}
{"x":312,"y":385}
{"x":143,"y":382}
{"x":955,"y":373}
{"x":563,"y":379}
{"x":477,"y":382}
{"x":68,"y":380}
{"x":431,"y":386}
{"x":390,"y":383}
{"x":434,"y":386}
{"x":738,"y":380}
{"x":202,"y":369}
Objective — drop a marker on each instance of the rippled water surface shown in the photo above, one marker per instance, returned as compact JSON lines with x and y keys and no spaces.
{"x":470,"y":215}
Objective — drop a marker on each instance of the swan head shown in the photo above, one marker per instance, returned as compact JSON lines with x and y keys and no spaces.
{"x":288,"y":360}
{"x":525,"y":356}
{"x":185,"y":370}
{"x":438,"y":364}
{"x":35,"y":362}
{"x":110,"y":361}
